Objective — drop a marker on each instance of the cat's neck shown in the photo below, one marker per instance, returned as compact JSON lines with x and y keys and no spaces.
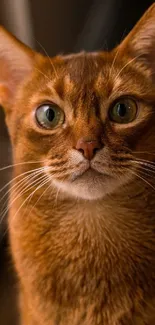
{"x":130,"y":204}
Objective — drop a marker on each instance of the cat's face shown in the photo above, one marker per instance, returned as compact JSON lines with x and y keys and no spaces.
{"x":83,"y":117}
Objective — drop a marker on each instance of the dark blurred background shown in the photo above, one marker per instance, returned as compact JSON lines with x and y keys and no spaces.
{"x":53,"y":27}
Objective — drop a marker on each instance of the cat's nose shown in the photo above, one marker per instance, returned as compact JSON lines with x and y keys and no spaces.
{"x":88,"y":147}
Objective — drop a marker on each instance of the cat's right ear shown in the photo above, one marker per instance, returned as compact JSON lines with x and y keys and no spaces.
{"x":16,"y":63}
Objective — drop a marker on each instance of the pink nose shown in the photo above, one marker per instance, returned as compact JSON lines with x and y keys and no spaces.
{"x":88,"y":148}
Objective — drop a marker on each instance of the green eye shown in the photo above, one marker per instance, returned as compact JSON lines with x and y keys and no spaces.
{"x":49,"y":116}
{"x":124,"y":111}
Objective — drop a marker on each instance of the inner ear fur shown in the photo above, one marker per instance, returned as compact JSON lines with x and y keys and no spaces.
{"x":140,"y":42}
{"x":16,"y":63}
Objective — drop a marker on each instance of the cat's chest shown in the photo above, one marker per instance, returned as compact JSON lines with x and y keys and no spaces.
{"x":72,"y":258}
{"x":69,"y":250}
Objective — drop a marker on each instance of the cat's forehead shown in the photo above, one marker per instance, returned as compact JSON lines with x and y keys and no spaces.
{"x":85,"y":77}
{"x":79,"y":73}
{"x":97,"y":72}
{"x":80,"y":69}
{"x":84,"y":66}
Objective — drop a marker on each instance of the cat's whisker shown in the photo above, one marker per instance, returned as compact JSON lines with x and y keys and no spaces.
{"x":30,"y":185}
{"x":144,"y":166}
{"x":20,"y":184}
{"x":20,"y":175}
{"x":146,"y":172}
{"x":45,"y":177}
{"x":115,"y":57}
{"x":145,"y":162}
{"x":21,"y":187}
{"x":56,"y":196}
{"x":58,"y":173}
{"x":16,"y":185}
{"x":142,"y":152}
{"x":28,"y":188}
{"x":129,"y":62}
{"x":42,"y":184}
{"x":143,"y":179}
{"x":54,"y":69}
{"x":42,"y":74}
{"x":40,"y":197}
{"x":5,"y":211}
{"x":31,"y":196}
{"x":113,"y":62}
{"x":21,"y":163}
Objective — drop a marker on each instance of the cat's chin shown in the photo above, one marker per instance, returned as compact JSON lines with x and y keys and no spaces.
{"x":91,"y":185}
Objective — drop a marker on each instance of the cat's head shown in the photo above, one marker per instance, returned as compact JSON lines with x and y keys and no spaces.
{"x":84,"y":116}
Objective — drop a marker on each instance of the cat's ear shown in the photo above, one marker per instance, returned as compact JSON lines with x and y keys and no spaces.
{"x":139,"y":45}
{"x":16,"y":62}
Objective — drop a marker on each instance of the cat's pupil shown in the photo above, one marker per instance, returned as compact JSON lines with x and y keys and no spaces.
{"x":121,"y":109}
{"x":50,"y":114}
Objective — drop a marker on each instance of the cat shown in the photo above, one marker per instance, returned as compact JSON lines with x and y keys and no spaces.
{"x":82,"y":198}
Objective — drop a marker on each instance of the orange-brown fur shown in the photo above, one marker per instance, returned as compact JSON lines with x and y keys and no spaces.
{"x":83,"y":260}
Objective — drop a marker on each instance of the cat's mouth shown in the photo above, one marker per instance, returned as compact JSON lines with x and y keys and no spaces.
{"x":87,"y":182}
{"x":89,"y":172}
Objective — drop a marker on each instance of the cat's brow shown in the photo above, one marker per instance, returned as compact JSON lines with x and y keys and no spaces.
{"x":63,"y":86}
{"x":59,"y":88}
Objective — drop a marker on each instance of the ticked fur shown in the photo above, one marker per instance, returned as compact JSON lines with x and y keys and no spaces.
{"x":82,"y":233}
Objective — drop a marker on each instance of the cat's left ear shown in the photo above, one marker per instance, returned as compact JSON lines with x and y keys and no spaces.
{"x":16,"y":63}
{"x":139,"y":45}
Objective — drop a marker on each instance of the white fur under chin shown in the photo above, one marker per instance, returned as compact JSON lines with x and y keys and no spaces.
{"x":87,"y":187}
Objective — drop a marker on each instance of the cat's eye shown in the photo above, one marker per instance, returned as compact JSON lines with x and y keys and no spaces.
{"x":49,"y":116}
{"x":123,"y":111}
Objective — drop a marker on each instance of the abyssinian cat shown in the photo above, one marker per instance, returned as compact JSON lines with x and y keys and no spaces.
{"x":82,"y":202}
